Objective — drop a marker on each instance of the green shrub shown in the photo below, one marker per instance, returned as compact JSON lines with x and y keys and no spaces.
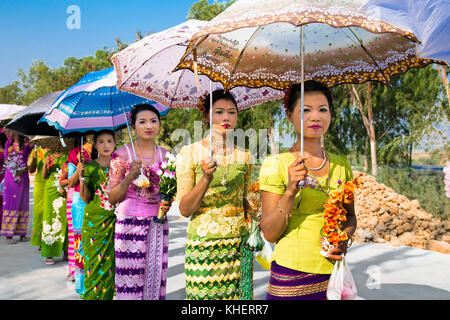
{"x":425,"y":186}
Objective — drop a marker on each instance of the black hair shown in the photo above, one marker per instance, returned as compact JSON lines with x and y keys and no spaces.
{"x":219,"y":94}
{"x":96,"y":135}
{"x":142,"y":107}
{"x":3,"y":139}
{"x":77,"y":141}
{"x":293,"y":94}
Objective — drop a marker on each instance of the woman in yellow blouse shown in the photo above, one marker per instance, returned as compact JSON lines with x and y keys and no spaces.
{"x":292,"y":217}
{"x":212,"y":193}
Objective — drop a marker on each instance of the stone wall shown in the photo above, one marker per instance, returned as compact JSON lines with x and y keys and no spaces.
{"x":387,"y":217}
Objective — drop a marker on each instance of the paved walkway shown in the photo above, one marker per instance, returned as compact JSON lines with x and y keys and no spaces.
{"x":380,"y":271}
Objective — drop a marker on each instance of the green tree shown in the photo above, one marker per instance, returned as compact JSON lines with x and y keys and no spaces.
{"x":392,"y":119}
{"x":203,"y":10}
{"x":420,"y":97}
{"x":11,"y":94}
{"x":40,"y":79}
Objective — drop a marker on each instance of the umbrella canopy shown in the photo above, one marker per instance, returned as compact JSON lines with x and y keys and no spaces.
{"x":25,"y":122}
{"x":53,"y":143}
{"x":8,"y":111}
{"x":92,"y":104}
{"x":256,"y":43}
{"x":429,"y":20}
{"x":145,"y":69}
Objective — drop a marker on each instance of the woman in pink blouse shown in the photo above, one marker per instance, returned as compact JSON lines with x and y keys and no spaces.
{"x":141,"y":245}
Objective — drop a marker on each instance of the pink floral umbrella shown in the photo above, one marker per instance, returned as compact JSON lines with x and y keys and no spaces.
{"x":145,"y":69}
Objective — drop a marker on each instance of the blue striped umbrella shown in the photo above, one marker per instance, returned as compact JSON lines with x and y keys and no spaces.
{"x":93,"y":104}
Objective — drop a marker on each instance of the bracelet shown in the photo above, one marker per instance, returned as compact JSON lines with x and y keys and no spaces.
{"x":288,"y":215}
{"x":83,"y":179}
{"x":351,"y":240}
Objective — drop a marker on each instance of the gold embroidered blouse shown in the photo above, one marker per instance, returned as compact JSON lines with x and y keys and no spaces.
{"x":221,"y":212}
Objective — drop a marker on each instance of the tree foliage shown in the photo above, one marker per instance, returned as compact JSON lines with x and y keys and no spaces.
{"x":203,"y":10}
{"x":40,"y":79}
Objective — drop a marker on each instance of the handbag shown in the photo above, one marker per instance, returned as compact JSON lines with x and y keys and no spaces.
{"x":341,"y":285}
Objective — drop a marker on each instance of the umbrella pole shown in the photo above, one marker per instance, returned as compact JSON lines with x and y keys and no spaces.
{"x":81,"y":150}
{"x":210,"y":118}
{"x":302,"y":75}
{"x":302,"y":184}
{"x":128,"y":128}
{"x":131,"y":138}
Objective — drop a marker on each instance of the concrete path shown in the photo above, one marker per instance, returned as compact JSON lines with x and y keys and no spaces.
{"x":379,"y":270}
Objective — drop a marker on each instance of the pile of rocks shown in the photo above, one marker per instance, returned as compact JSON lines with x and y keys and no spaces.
{"x":385,"y":216}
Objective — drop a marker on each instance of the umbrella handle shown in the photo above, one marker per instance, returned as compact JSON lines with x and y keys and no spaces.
{"x":62,"y":140}
{"x":128,"y":127}
{"x":81,"y":150}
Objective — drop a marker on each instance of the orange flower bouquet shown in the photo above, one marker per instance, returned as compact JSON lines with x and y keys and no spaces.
{"x":334,"y":214}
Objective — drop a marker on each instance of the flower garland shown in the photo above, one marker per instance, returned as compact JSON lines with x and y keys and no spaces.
{"x":334,"y":213}
{"x":62,"y":174}
{"x":52,"y":161}
{"x":103,"y":195}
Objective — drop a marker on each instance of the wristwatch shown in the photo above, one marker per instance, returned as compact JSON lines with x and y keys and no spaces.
{"x":83,"y":179}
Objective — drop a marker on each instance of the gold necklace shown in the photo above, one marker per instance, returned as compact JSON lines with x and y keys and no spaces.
{"x":153,"y":157}
{"x":105,"y":175}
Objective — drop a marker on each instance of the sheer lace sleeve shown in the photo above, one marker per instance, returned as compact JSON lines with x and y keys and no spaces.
{"x":118,"y":168}
{"x":185,"y":172}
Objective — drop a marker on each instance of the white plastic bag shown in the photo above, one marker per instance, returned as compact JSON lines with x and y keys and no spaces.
{"x":341,"y":285}
{"x":264,"y":257}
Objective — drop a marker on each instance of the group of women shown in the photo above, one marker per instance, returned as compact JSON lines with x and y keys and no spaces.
{"x":120,"y":251}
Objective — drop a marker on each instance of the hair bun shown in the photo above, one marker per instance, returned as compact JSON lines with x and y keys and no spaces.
{"x":287,"y":95}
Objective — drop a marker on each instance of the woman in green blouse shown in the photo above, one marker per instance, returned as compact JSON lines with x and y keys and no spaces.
{"x":37,"y":165}
{"x":292,"y":217}
{"x":212,"y":193}
{"x":54,"y":221}
{"x":98,"y":222}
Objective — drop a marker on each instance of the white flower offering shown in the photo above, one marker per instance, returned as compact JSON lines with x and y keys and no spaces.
{"x":142,"y":181}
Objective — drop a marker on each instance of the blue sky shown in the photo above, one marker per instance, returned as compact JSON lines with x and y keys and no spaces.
{"x":36,"y":29}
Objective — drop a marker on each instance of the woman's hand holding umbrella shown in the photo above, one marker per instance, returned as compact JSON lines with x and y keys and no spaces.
{"x":135,"y":170}
{"x":296,"y":172}
{"x":80,"y":169}
{"x":209,"y":166}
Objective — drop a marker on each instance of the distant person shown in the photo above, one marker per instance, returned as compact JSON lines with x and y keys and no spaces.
{"x":36,"y":166}
{"x":16,"y":188}
{"x":76,"y":156}
{"x":3,"y":140}
{"x":54,"y":240}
